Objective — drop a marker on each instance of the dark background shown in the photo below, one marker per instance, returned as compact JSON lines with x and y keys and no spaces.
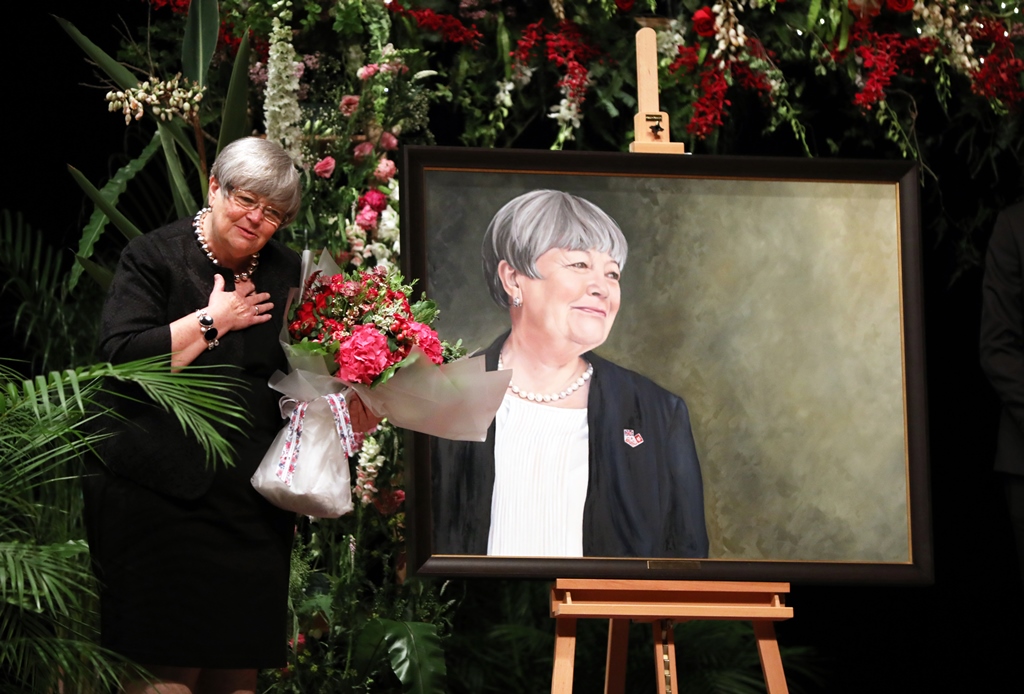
{"x":962,"y":633}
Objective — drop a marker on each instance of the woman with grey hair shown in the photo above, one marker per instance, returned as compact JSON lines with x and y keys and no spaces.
{"x":584,"y":458}
{"x":193,"y":562}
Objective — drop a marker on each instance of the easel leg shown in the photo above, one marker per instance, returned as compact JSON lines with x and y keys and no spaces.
{"x":565,"y":655}
{"x":771,"y":660}
{"x":664,"y":656}
{"x":615,"y":662}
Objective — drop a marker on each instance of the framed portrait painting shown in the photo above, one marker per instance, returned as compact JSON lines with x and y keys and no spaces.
{"x":748,"y":399}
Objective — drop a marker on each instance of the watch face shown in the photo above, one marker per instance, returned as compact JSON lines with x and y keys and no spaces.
{"x":210,"y":335}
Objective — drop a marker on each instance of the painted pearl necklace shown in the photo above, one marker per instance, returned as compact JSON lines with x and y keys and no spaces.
{"x":553,"y":397}
{"x":197,"y":224}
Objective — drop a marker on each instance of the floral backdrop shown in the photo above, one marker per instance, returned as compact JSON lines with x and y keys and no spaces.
{"x":343,"y":84}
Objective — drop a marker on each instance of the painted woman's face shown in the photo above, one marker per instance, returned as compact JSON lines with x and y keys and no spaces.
{"x":575,"y":301}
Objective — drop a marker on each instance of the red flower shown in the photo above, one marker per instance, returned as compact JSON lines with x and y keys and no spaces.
{"x":177,"y":6}
{"x":374,"y":199}
{"x":688,"y":58}
{"x":708,"y":109}
{"x":450,"y":28}
{"x":324,"y":168}
{"x":363,"y":355}
{"x":625,"y":5}
{"x":704,"y":22}
{"x":900,"y":5}
{"x":388,"y":501}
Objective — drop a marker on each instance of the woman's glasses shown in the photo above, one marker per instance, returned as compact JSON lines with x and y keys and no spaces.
{"x":250,"y":201}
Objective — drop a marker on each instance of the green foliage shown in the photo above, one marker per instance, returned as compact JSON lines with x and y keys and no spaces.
{"x":47,"y":592}
{"x":200,"y":39}
{"x":54,"y":325}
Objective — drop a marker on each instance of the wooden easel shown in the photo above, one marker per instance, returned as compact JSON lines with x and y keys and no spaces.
{"x":651,"y":129}
{"x":662,"y":603}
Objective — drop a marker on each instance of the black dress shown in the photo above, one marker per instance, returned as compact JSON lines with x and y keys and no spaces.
{"x":193,"y":562}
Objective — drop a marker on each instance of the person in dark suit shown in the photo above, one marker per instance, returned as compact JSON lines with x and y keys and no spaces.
{"x":1002,"y":354}
{"x":584,"y":458}
{"x":193,"y":562}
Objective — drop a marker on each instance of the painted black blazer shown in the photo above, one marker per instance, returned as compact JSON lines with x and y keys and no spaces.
{"x":1002,"y":333}
{"x":642,"y":501}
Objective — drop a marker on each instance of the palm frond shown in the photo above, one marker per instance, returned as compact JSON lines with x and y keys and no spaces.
{"x":44,"y":578}
{"x":57,"y":327}
{"x":197,"y":399}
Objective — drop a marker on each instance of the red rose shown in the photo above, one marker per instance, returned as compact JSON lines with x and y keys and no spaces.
{"x":900,"y":5}
{"x":704,"y":22}
{"x":363,"y":355}
{"x":625,"y":5}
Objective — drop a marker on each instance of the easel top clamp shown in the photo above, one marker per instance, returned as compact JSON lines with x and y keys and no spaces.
{"x":651,"y":129}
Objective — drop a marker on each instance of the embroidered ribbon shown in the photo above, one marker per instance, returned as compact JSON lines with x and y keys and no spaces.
{"x":293,"y":439}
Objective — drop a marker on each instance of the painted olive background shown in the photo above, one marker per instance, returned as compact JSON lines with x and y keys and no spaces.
{"x":773,"y":308}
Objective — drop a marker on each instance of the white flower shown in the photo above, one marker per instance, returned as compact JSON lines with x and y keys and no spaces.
{"x":387,"y":225}
{"x":281,"y":105}
{"x":503,"y":97}
{"x":566,"y":112}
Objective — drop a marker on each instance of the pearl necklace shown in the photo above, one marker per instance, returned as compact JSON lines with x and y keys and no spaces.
{"x":197,"y":224}
{"x":553,"y":397}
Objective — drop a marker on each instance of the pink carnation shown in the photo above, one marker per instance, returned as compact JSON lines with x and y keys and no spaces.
{"x":363,"y":150}
{"x":374,"y":199}
{"x":367,"y":71}
{"x":388,"y":141}
{"x":367,"y":219}
{"x":349,"y":105}
{"x":324,"y":168}
{"x":385,"y":171}
{"x":363,"y":355}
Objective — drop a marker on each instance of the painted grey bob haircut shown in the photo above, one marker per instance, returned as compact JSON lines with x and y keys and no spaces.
{"x":530,"y":225}
{"x":262,"y":167}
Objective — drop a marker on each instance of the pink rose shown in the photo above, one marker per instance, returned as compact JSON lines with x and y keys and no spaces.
{"x":324,"y":168}
{"x":349,"y":105}
{"x":363,"y":150}
{"x":363,"y":355}
{"x":367,"y":219}
{"x":704,"y":22}
{"x":374,"y":199}
{"x":367,"y":71}
{"x":388,"y":141}
{"x":385,"y":170}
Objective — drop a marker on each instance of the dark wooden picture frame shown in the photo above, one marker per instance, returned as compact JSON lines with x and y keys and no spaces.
{"x":781,"y":298}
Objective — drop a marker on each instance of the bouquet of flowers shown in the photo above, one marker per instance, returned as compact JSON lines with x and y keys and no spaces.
{"x":360,"y":334}
{"x":364,"y":324}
